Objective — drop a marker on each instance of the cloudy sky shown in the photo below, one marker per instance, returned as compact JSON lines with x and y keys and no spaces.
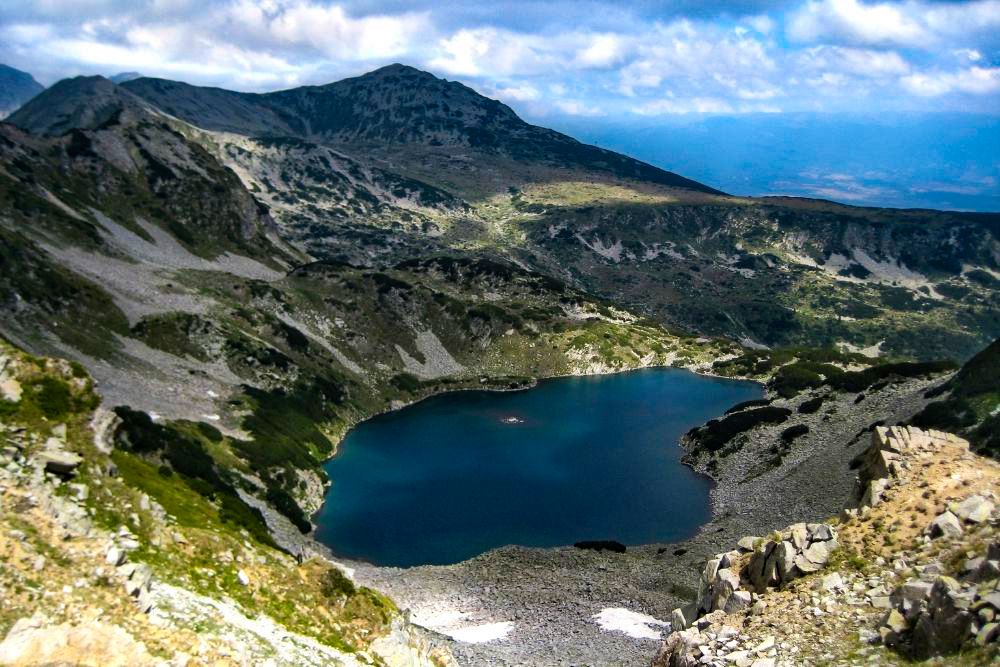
{"x":578,"y":58}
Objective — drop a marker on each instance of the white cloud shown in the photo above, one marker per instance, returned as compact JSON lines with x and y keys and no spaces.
{"x":602,"y":51}
{"x":867,"y":63}
{"x":331,"y":31}
{"x":914,"y":24}
{"x":856,"y":21}
{"x":762,"y":23}
{"x":974,"y":80}
{"x":692,"y":105}
{"x":694,"y":54}
{"x":521,"y":93}
{"x":492,"y":52}
{"x":577,"y":108}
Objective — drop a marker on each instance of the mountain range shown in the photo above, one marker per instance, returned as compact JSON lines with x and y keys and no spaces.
{"x":209,"y":288}
{"x":282,"y":265}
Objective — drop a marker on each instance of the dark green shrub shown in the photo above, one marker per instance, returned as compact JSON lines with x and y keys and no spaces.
{"x":793,"y":432}
{"x":811,"y":406}
{"x":714,"y":435}
{"x":335,"y":584}
{"x":754,"y":403}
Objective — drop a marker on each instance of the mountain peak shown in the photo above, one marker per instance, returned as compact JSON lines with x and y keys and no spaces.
{"x":79,"y":103}
{"x":16,"y":88}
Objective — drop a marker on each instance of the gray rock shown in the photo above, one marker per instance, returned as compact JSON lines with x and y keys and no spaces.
{"x":799,"y":536}
{"x":738,"y":601}
{"x":784,"y":562}
{"x":974,"y":509}
{"x":726,"y":582}
{"x":818,"y":553}
{"x":832,"y":582}
{"x":115,"y":556}
{"x":677,"y":620}
{"x":945,"y":625}
{"x":821,"y":533}
{"x":945,"y":525}
{"x":747,"y":543}
{"x":988,"y":633}
{"x":59,"y":462}
{"x":916,"y":591}
{"x":895,"y":622}
{"x":806,"y":566}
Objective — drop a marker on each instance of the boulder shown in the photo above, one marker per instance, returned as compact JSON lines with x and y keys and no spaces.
{"x":832,"y":582}
{"x":747,"y":543}
{"x":915,"y":591}
{"x":806,"y":566}
{"x":895,"y":622}
{"x":758,"y":562}
{"x":58,"y":461}
{"x":738,"y":602}
{"x":115,"y":556}
{"x":678,"y":649}
{"x":974,"y":509}
{"x":821,"y":532}
{"x":726,"y":582}
{"x":799,"y":535}
{"x":818,"y":552}
{"x":988,"y":633}
{"x":677,"y":620}
{"x":945,"y":625}
{"x":945,"y":524}
{"x":784,"y":562}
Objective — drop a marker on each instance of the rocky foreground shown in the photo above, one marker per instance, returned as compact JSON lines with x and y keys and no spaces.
{"x":911,"y":572}
{"x":95,"y":571}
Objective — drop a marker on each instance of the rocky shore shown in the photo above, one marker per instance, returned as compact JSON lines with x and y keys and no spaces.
{"x":544,"y":606}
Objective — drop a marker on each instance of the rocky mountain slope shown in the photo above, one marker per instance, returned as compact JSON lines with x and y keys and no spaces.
{"x":197,"y":310}
{"x":16,"y":88}
{"x":110,"y":556}
{"x":247,"y":276}
{"x":379,"y":167}
{"x":908,"y":572}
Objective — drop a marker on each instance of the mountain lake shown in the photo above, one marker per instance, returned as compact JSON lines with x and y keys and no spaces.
{"x":572,"y":459}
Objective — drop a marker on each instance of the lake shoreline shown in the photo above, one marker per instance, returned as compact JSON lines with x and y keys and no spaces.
{"x":552,"y":595}
{"x":426,"y":451}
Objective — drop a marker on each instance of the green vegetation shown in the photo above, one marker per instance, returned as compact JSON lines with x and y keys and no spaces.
{"x":714,"y":435}
{"x":188,"y":456}
{"x":969,"y":404}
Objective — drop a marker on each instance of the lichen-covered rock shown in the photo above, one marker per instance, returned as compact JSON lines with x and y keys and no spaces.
{"x":974,"y":509}
{"x":945,"y":524}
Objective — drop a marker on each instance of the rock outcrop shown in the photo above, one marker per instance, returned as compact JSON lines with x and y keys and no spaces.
{"x":912,"y":567}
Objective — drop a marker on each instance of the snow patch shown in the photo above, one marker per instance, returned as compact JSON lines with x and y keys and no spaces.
{"x":632,"y":623}
{"x":453,"y":623}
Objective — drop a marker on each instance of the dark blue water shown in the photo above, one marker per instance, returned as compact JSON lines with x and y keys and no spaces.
{"x":591,"y":458}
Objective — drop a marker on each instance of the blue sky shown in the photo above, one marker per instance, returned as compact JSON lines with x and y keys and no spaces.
{"x":581,"y":58}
